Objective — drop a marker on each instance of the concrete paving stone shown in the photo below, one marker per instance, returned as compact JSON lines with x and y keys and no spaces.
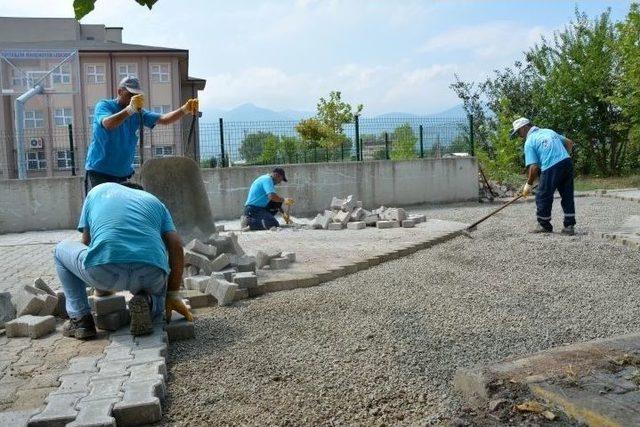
{"x":7,"y":309}
{"x":291,"y":256}
{"x":198,"y":299}
{"x":264,"y":257}
{"x":114,"y":367}
{"x":358,"y":215}
{"x":358,"y":225}
{"x":74,"y":383}
{"x":113,"y":321}
{"x":222,"y":290}
{"x":125,"y":340}
{"x":108,"y":304}
{"x":227,"y":274}
{"x":246,"y":280}
{"x":349,"y":203}
{"x":246,"y":264}
{"x":79,"y":365}
{"x":418,"y":218}
{"x":279,"y":263}
{"x":336,"y":203}
{"x":50,"y":305}
{"x":140,"y":372}
{"x":116,"y":353}
{"x":198,"y":247}
{"x":222,"y":261}
{"x":237,"y":249}
{"x":394,"y":214}
{"x":371,"y":219}
{"x":39,"y":283}
{"x":8,"y":392}
{"x":383,"y":224}
{"x":197,"y":283}
{"x":241,"y":294}
{"x":31,"y":399}
{"x":190,"y":270}
{"x":200,"y":261}
{"x":348,"y":268}
{"x":151,"y":352}
{"x":219,"y":228}
{"x":222,"y":243}
{"x":362,"y":264}
{"x":95,"y":413}
{"x":180,"y":330}
{"x":30,"y":326}
{"x":408,"y":223}
{"x":61,"y":309}
{"x":59,"y":411}
{"x":16,"y":418}
{"x":43,"y":380}
{"x":342,"y":218}
{"x":104,"y":388}
{"x":28,"y":303}
{"x":140,"y":404}
{"x":157,"y":339}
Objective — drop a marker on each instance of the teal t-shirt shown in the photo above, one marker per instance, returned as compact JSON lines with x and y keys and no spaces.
{"x":112,"y":151}
{"x":260,"y":190}
{"x":544,"y":147}
{"x":126,"y":226}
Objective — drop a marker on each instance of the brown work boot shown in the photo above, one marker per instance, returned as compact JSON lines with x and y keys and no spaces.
{"x":140,"y":309}
{"x":82,"y":329}
{"x":540,"y":229}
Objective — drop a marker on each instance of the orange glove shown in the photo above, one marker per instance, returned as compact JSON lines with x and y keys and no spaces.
{"x":191,"y":106}
{"x":173,"y":302}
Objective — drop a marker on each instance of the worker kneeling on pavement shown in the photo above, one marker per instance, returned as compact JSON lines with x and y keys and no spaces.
{"x":547,"y":154}
{"x":128,"y":243}
{"x":263,"y":203}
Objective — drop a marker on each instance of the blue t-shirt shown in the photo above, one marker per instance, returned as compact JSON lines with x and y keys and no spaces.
{"x":544,"y":147}
{"x":260,"y":190}
{"x":112,"y":151}
{"x":126,"y":226}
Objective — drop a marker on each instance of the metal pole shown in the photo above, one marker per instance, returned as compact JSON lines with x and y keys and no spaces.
{"x":73,"y":155}
{"x":19,"y":125}
{"x":471,"y":136}
{"x":421,"y":143}
{"x":141,"y":138}
{"x":386,"y":144}
{"x":221,"y":123}
{"x":361,"y":150}
{"x":357,"y":137}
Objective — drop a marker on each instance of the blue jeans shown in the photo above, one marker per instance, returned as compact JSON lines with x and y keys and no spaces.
{"x":557,"y":177}
{"x":261,"y":218}
{"x":135,"y":277}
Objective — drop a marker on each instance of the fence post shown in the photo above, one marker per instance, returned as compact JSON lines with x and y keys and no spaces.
{"x":421,"y":143}
{"x":357,"y":123}
{"x":471,"y":137}
{"x":361,"y":150}
{"x":386,"y":144}
{"x":73,"y":156}
{"x":342,"y":151}
{"x":221,"y":125}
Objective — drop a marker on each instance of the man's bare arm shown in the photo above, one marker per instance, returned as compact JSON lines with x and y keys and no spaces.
{"x":275,"y":198}
{"x":115,"y":120}
{"x":171,"y":117}
{"x":568,"y":144}
{"x":86,"y":237}
{"x":534,"y":171}
{"x":173,"y":242}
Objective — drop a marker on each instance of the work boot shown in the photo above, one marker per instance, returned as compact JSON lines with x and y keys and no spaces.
{"x":244,"y":222}
{"x":540,"y":229}
{"x":569,"y":230}
{"x":140,"y":309}
{"x":82,"y":329}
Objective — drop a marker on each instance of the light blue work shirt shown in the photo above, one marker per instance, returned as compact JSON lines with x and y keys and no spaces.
{"x":126,"y":226}
{"x":112,"y":151}
{"x":544,"y":147}
{"x":260,"y":190}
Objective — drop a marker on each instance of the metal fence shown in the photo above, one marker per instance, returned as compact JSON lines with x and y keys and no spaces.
{"x":61,"y":150}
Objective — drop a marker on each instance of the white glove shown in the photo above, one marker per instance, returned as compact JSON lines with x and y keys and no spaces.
{"x":526,"y":190}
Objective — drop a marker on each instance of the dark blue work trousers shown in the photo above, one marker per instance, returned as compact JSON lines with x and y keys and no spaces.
{"x":557,"y":177}
{"x":262,"y":218}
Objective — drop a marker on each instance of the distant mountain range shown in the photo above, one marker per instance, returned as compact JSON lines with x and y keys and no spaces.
{"x":251,"y":113}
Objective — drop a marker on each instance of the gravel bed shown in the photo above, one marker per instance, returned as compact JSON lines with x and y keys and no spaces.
{"x":381,"y":346}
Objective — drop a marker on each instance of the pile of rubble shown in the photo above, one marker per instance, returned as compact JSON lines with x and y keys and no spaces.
{"x":496,"y":190}
{"x":220,"y":268}
{"x":349,"y":213}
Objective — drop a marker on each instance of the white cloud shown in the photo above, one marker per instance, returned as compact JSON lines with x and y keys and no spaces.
{"x":497,"y":39}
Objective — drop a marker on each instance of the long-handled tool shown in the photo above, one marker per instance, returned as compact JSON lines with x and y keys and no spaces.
{"x":141,"y":138}
{"x":473,"y":226}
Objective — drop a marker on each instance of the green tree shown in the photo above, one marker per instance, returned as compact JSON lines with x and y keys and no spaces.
{"x":289,"y":149}
{"x":404,"y":143}
{"x":270,"y":153}
{"x":83,"y":7}
{"x":252,"y":146}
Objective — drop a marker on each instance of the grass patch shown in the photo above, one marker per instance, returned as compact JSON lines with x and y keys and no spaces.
{"x":589,"y":183}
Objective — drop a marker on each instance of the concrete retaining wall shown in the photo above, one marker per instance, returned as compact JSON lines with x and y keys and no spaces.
{"x":40,"y":204}
{"x":55,"y":203}
{"x":376,"y":183}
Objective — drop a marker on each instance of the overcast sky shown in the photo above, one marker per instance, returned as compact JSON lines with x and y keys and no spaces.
{"x":393,"y":55}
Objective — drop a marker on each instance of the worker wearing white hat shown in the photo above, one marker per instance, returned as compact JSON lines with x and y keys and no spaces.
{"x":547,"y":154}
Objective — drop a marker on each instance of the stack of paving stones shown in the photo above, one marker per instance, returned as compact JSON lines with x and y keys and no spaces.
{"x":110,"y":312}
{"x":125,"y":385}
{"x":349,"y":213}
{"x":33,"y":314}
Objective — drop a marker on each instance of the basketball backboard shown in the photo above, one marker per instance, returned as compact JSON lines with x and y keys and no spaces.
{"x":57,"y":71}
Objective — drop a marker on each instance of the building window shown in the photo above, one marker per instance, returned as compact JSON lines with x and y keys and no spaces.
{"x":17,"y":78}
{"x":33,"y":119}
{"x":163,"y":151}
{"x":90,"y":112}
{"x":36,"y":160}
{"x":161,"y":109}
{"x":62,"y":75}
{"x":125,"y":70}
{"x":30,"y":78}
{"x":160,"y":73}
{"x":64,"y":159}
{"x":62,"y":116}
{"x":95,"y":74}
